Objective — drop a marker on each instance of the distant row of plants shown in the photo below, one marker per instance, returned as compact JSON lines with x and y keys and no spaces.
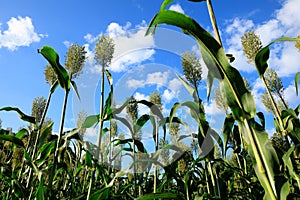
{"x":239,"y":162}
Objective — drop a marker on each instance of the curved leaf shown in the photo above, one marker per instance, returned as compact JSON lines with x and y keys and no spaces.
{"x":23,"y":116}
{"x":263,"y":55}
{"x":12,"y":139}
{"x":52,"y":57}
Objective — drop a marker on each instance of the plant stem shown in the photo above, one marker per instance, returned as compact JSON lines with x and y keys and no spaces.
{"x":55,"y":159}
{"x":277,"y":113}
{"x":258,"y":157}
{"x":37,"y":137}
{"x":100,"y":118}
{"x":156,"y":149}
{"x":213,"y":21}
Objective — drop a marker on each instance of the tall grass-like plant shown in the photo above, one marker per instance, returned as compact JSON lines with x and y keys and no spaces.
{"x":239,"y":99}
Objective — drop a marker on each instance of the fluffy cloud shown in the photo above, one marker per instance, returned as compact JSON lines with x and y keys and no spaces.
{"x":20,"y":32}
{"x":176,"y":7}
{"x":133,"y":83}
{"x":131,"y":45}
{"x":284,"y":23}
{"x":291,"y":97}
{"x":168,"y":96}
{"x":159,"y":78}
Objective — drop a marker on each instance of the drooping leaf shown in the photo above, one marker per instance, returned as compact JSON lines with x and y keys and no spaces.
{"x":262,"y":57}
{"x":75,"y":89}
{"x":137,"y":143}
{"x":141,"y":122}
{"x":234,"y":88}
{"x":285,"y":190}
{"x":52,"y":57}
{"x":12,"y":139}
{"x":154,"y":108}
{"x":23,"y":116}
{"x":21,"y":133}
{"x":165,"y":4}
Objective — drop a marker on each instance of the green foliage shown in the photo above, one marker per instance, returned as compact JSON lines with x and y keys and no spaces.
{"x":52,"y":57}
{"x":64,"y":166}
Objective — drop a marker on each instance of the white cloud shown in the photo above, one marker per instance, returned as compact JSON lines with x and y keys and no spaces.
{"x":131,"y":45}
{"x":269,"y":31}
{"x":289,"y":16}
{"x":90,"y":38}
{"x":236,"y":30}
{"x":168,"y":96}
{"x":291,"y":97}
{"x":20,"y":32}
{"x":285,"y":22}
{"x":142,"y":109}
{"x":134,"y":84}
{"x":176,"y":7}
{"x":158,"y":78}
{"x":287,"y":62}
{"x":139,"y":96}
{"x":67,"y":43}
{"x":123,"y":62}
{"x":211,"y":108}
{"x":175,"y":85}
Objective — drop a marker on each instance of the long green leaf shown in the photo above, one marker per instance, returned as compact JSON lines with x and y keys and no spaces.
{"x":23,"y":116}
{"x":262,"y":57}
{"x":232,"y":85}
{"x":52,"y":57}
{"x":12,"y":139}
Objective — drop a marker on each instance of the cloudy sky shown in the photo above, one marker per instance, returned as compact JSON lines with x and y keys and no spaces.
{"x":141,"y":64}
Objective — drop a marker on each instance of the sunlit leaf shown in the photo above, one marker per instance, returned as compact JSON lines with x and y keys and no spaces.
{"x":262,"y":57}
{"x":52,"y":57}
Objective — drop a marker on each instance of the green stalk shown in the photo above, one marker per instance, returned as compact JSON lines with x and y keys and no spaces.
{"x":213,"y":21}
{"x":156,"y":149}
{"x":259,"y":157}
{"x":100,"y":118}
{"x":99,"y":132}
{"x":55,"y":159}
{"x":277,"y":113}
{"x":38,"y":135}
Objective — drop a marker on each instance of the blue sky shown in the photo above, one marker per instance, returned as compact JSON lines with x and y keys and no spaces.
{"x":141,"y":64}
